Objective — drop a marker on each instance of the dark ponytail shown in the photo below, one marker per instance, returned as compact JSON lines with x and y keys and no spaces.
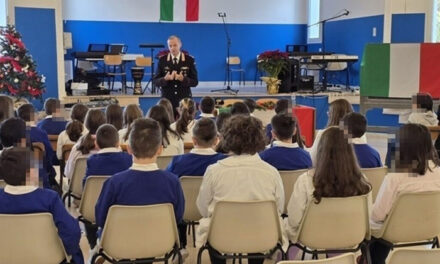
{"x":187,"y":111}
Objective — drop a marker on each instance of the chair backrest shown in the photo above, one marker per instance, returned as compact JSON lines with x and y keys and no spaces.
{"x":65,"y":150}
{"x":113,"y":60}
{"x":124,"y":147}
{"x":30,"y":238}
{"x":289,"y":178}
{"x":39,"y":149}
{"x":191,"y":187}
{"x":434,"y":131}
{"x":163,"y":161}
{"x":233,"y":60}
{"x":187,"y":147}
{"x":143,"y":61}
{"x":90,"y":195}
{"x":348,"y":258}
{"x":79,"y":172}
{"x":375,"y":177}
{"x":335,"y":223}
{"x":53,"y":139}
{"x":244,"y":227}
{"x":412,"y":255}
{"x":132,"y":232}
{"x":413,"y":217}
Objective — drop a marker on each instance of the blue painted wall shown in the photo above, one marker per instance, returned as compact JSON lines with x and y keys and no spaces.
{"x":206,"y":42}
{"x":349,"y":36}
{"x":408,"y":28}
{"x":37,"y":27}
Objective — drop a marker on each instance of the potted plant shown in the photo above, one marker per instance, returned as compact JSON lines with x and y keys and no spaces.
{"x":273,"y":63}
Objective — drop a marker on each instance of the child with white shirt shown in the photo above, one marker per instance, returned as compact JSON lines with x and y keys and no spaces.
{"x":243,"y":176}
{"x":416,"y":170}
{"x":131,"y":113}
{"x":283,"y":154}
{"x":422,"y":110}
{"x":143,"y":183}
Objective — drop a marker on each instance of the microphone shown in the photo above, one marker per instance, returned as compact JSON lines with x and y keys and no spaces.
{"x":346,"y":12}
{"x":221,"y":14}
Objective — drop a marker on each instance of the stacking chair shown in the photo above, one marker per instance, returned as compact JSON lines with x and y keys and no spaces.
{"x":30,"y":238}
{"x":333,"y":67}
{"x":411,"y":256}
{"x":163,"y":161}
{"x":65,"y":153}
{"x":348,"y":258}
{"x":235,"y":66}
{"x":335,"y":225}
{"x":191,"y":216}
{"x":124,"y":147}
{"x":90,"y":195}
{"x":238,"y":228}
{"x":413,"y":220}
{"x":135,"y":234}
{"x":258,"y":72}
{"x":187,"y":147}
{"x":113,"y":64}
{"x":2,"y":184}
{"x":53,"y":139}
{"x":434,"y":131}
{"x":142,"y":63}
{"x":39,"y":148}
{"x":289,"y":178}
{"x":75,"y":185}
{"x":375,"y":177}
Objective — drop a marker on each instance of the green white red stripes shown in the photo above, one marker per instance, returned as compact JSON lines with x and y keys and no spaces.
{"x":400,"y":70}
{"x":179,"y":10}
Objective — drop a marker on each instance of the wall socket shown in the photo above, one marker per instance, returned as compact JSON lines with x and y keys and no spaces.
{"x":374,"y":31}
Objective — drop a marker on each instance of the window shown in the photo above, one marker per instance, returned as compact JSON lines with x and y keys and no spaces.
{"x":3,"y":14}
{"x":314,"y":32}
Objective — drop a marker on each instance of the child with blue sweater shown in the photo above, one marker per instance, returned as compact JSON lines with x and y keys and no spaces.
{"x":355,"y":125}
{"x":22,"y":196}
{"x":143,"y":183}
{"x":283,"y":154}
{"x":202,"y":155}
{"x":54,"y":123}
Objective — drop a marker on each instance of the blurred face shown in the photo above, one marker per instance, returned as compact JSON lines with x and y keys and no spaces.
{"x":174,"y":46}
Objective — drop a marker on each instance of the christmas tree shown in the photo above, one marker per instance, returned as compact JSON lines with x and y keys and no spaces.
{"x":18,"y":72}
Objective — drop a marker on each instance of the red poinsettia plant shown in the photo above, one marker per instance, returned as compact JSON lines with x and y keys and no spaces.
{"x":273,"y":62}
{"x":18,"y":74}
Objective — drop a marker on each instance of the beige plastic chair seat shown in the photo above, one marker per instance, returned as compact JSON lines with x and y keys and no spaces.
{"x":412,"y":256}
{"x":244,"y":227}
{"x":163,"y":161}
{"x":30,"y":238}
{"x":335,"y":225}
{"x":191,"y":187}
{"x":139,"y":232}
{"x":75,"y":186}
{"x":348,"y":258}
{"x":289,"y":178}
{"x":90,"y":195}
{"x":414,"y":219}
{"x":375,"y":177}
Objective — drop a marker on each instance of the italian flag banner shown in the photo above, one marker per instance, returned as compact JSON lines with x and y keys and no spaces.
{"x":179,"y":10}
{"x":400,"y":70}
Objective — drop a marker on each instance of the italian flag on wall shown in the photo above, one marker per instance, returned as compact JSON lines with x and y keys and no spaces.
{"x":179,"y":10}
{"x":400,"y":70}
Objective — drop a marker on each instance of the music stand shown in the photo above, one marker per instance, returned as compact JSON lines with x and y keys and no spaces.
{"x":151,"y":47}
{"x":228,"y":46}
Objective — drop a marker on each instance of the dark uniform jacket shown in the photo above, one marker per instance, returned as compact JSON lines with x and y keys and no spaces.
{"x":176,"y":90}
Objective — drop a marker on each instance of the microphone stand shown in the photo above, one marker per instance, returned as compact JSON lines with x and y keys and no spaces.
{"x":323,"y":22}
{"x":228,"y":46}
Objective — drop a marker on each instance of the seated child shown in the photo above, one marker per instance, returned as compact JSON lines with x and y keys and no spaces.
{"x":184,"y":125}
{"x":422,"y":110}
{"x":240,"y":108}
{"x":13,"y":134}
{"x":110,"y":159}
{"x":207,"y":107}
{"x":54,"y":122}
{"x":143,"y":183}
{"x":20,"y":197}
{"x":281,"y":107}
{"x":202,"y":155}
{"x":283,"y":154}
{"x":356,"y":125}
{"x":251,"y":104}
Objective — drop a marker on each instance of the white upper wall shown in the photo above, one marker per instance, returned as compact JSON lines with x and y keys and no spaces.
{"x":357,"y":8}
{"x":238,"y":11}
